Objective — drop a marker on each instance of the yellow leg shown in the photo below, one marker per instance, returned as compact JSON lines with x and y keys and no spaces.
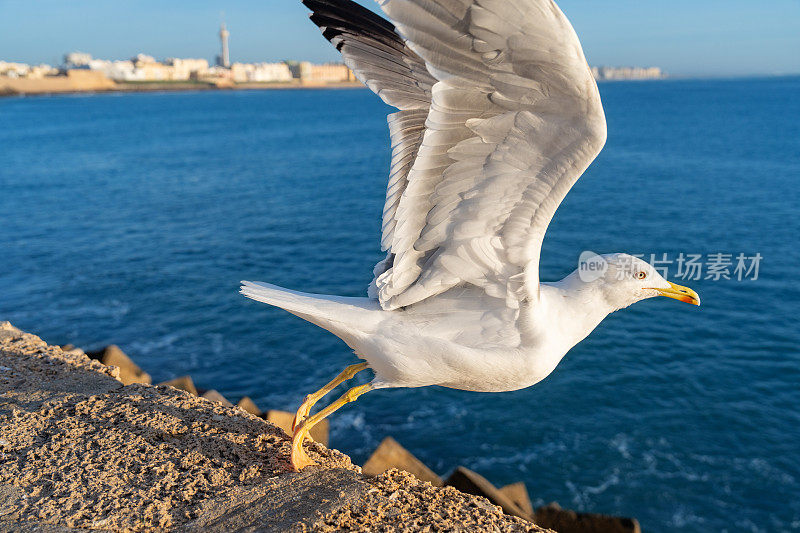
{"x":299,"y":458}
{"x":313,"y":398}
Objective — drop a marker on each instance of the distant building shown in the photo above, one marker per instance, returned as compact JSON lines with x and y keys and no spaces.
{"x":14,"y":70}
{"x":143,"y":59}
{"x":41,"y":71}
{"x":260,"y":72}
{"x":329,"y":72}
{"x":142,"y":67}
{"x":122,"y":71}
{"x":224,"y":59}
{"x":77,"y":60}
{"x":627,"y":73}
{"x":185,"y":69}
{"x":23,"y":70}
{"x":146,"y":68}
{"x":294,"y":67}
{"x":216,"y":75}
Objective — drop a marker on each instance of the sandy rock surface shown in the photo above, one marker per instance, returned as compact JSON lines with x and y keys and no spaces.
{"x":80,"y":450}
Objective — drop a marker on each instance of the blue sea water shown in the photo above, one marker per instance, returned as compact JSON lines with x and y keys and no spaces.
{"x":131,"y":218}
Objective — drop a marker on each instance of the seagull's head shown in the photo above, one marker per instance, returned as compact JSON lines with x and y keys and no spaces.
{"x":624,"y":280}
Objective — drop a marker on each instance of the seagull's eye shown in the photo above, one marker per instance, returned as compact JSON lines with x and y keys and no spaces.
{"x":641,"y":275}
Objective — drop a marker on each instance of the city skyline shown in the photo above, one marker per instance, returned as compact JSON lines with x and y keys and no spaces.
{"x":716,"y":39}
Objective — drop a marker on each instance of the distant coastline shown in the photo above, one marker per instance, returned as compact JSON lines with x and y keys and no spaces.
{"x":59,"y":85}
{"x":81,"y":73}
{"x":156,"y":87}
{"x":86,"y":83}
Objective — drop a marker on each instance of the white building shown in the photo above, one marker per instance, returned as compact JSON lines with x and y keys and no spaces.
{"x":260,"y":72}
{"x":77,"y":59}
{"x":184,"y":69}
{"x":123,"y":71}
{"x":42,"y":70}
{"x":143,"y":59}
{"x":627,"y":73}
{"x":224,"y":59}
{"x":14,"y":70}
{"x":23,"y":70}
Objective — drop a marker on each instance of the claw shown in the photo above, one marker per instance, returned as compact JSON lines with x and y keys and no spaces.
{"x":299,"y":458}
{"x":302,"y":424}
{"x":302,"y":413}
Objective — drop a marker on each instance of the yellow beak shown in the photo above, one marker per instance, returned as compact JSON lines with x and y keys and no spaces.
{"x":679,"y":292}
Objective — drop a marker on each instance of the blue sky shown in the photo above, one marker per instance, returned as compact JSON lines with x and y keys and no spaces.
{"x":685,"y":37}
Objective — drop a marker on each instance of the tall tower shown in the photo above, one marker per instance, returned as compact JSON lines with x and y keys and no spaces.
{"x":224,"y":59}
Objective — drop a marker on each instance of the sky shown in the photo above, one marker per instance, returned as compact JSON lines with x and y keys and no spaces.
{"x":683,"y":37}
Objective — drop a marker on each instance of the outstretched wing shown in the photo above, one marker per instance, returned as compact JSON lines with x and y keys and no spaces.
{"x":499,"y":116}
{"x":515,"y":119}
{"x":381,"y":60}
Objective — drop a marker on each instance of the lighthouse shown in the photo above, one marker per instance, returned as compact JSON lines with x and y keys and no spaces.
{"x":224,"y":59}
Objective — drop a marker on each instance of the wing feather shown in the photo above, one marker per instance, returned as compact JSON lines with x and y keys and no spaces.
{"x":498,"y":116}
{"x":515,"y":119}
{"x":374,"y":52}
{"x":381,"y":60}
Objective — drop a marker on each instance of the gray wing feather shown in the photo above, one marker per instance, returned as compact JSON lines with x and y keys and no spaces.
{"x":380,"y":59}
{"x":515,"y":119}
{"x":374,"y":52}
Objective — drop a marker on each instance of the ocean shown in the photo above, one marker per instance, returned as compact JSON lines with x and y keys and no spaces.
{"x":131,"y":218}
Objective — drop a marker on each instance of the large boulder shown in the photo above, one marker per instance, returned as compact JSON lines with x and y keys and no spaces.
{"x":248,"y":405}
{"x":518,"y":493}
{"x":216,"y":397}
{"x":390,"y":454}
{"x":182,"y":383}
{"x":129,"y":372}
{"x":471,"y":482}
{"x":566,"y":521}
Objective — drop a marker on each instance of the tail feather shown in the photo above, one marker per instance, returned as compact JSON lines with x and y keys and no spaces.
{"x":345,"y":317}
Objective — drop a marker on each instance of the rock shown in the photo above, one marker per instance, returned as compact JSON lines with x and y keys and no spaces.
{"x":565,"y":521}
{"x":182,"y":383}
{"x":390,"y":454}
{"x":284,"y":420}
{"x":518,"y":493}
{"x":275,"y":505}
{"x":7,"y":331}
{"x":71,"y":348}
{"x":129,"y":372}
{"x":215,"y":396}
{"x":249,"y":405}
{"x":81,"y":452}
{"x":471,"y":482}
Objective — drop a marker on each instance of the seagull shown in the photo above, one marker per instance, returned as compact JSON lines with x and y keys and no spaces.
{"x":498,"y":115}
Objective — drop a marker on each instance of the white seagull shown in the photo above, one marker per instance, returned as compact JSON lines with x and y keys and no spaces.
{"x":498,"y":116}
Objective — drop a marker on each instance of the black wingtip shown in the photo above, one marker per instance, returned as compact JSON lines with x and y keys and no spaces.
{"x":348,"y":10}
